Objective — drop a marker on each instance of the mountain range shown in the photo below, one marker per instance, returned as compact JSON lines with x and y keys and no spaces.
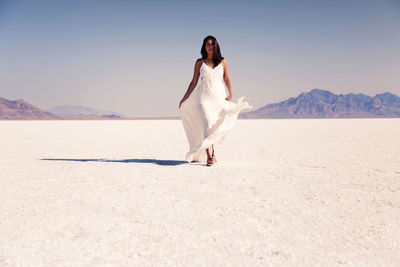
{"x":319,"y":103}
{"x":316,"y":103}
{"x":75,"y":111}
{"x":22,"y":110}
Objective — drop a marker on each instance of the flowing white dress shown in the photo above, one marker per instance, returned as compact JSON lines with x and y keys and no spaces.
{"x":206,"y":116}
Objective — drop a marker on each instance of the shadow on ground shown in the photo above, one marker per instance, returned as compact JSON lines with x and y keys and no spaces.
{"x":154,"y":161}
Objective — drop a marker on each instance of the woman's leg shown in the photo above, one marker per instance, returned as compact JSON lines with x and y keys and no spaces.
{"x":213,"y":155}
{"x":209,"y":152}
{"x":210,"y":160}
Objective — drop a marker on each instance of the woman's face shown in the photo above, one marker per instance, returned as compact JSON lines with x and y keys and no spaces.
{"x":209,"y":47}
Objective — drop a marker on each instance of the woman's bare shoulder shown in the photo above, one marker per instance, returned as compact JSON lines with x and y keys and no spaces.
{"x":224,"y":63}
{"x":198,"y":63}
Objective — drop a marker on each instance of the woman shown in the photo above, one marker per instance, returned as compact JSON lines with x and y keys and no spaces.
{"x":207,"y":114}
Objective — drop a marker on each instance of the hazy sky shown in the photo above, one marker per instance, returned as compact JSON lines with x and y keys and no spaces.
{"x":137,"y":57}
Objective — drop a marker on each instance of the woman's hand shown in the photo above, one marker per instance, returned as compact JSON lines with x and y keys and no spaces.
{"x":228,"y":98}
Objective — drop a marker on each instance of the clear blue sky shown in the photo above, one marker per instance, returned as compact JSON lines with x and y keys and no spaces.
{"x":137,"y":57}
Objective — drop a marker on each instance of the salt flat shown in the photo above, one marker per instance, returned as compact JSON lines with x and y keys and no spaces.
{"x":119,"y":193}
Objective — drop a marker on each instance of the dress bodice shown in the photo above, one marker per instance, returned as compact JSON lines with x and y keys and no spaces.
{"x":209,"y":74}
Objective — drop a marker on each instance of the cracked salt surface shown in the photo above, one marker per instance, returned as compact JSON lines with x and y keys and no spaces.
{"x":283,"y":192}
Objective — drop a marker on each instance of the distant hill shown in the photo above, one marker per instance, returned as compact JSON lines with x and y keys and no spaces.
{"x":316,"y":103}
{"x":80,"y":112}
{"x":319,"y":103}
{"x":21,"y":110}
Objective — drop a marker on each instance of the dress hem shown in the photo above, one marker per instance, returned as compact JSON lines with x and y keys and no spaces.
{"x":217,"y":136}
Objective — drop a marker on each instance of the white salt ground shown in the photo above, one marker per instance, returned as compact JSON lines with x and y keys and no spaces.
{"x":119,"y":193}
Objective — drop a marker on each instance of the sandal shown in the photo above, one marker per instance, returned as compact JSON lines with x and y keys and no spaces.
{"x":210,"y":161}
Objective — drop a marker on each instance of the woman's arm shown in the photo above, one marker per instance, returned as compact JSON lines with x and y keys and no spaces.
{"x":227,"y":79}
{"x":194,"y":81}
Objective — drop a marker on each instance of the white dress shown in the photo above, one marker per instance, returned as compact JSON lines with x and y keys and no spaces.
{"x":206,"y":116}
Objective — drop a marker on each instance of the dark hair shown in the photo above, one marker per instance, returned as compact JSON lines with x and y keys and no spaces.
{"x":217,"y":57}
